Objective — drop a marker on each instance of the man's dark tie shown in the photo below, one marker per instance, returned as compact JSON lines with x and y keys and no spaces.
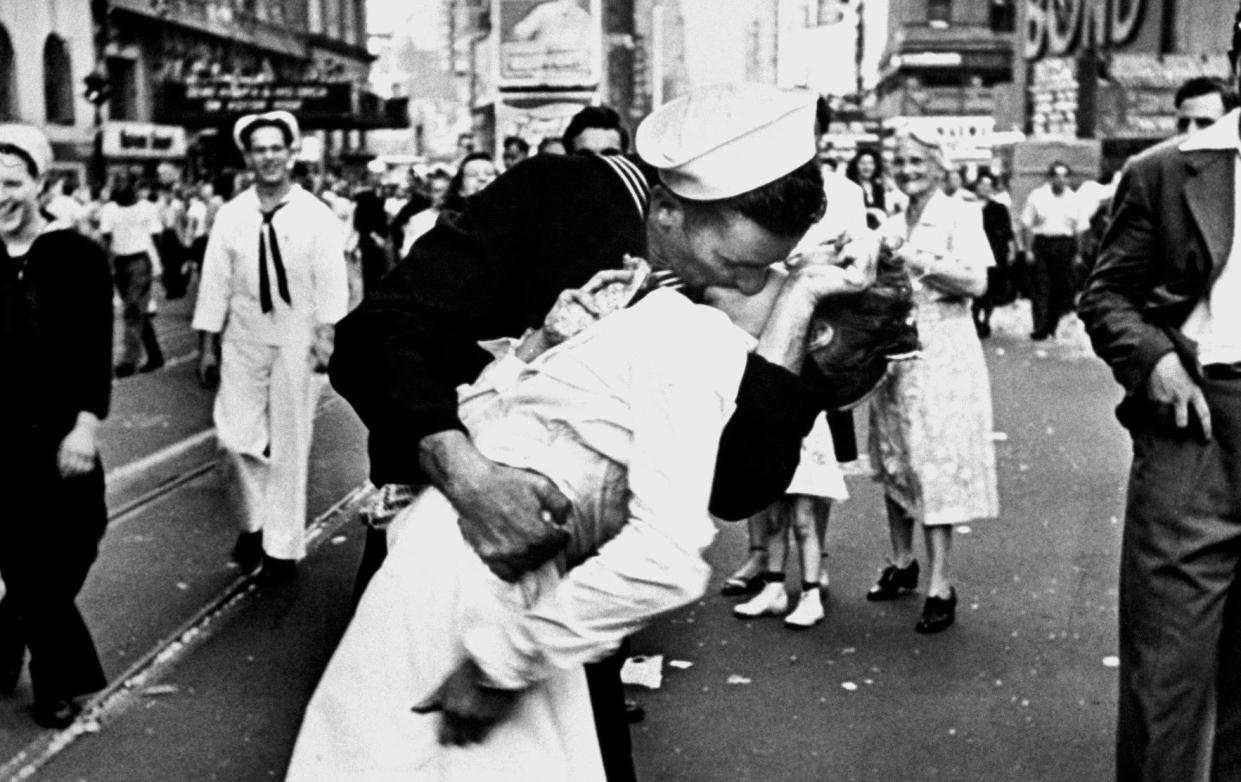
{"x":267,"y":232}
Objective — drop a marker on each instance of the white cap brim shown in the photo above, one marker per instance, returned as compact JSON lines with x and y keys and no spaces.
{"x":281,"y":117}
{"x":724,"y":140}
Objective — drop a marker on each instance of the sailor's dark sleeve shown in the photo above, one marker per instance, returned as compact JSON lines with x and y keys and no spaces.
{"x":761,"y":444}
{"x":491,"y":271}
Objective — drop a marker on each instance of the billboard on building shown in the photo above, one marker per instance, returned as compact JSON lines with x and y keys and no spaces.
{"x":549,"y":43}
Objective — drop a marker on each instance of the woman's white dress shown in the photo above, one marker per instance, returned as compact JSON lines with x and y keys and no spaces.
{"x":930,"y":418}
{"x":625,"y":418}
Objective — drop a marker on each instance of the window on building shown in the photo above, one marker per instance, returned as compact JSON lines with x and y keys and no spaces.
{"x":57,"y":81}
{"x":1003,"y":16}
{"x":8,"y":110}
{"x":124,"y":101}
{"x":349,"y":21}
{"x":938,"y":12}
{"x":314,"y":16}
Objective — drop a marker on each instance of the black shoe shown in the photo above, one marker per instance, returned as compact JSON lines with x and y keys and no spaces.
{"x":938,"y":614}
{"x":738,"y":585}
{"x":248,"y":551}
{"x":151,"y":365}
{"x":11,"y":674}
{"x":894,"y":581}
{"x":277,"y":571}
{"x":634,"y":712}
{"x":124,"y":370}
{"x":55,"y":713}
{"x":984,"y":330}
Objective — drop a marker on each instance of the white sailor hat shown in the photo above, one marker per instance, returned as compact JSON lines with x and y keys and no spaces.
{"x":278,"y":117}
{"x":29,"y":143}
{"x":727,"y":139}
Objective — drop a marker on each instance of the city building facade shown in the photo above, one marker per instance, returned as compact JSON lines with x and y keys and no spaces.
{"x":179,"y":73}
{"x":46,"y":50}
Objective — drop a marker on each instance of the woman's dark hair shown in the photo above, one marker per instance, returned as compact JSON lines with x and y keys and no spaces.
{"x":870,"y":328}
{"x":787,"y":206}
{"x":851,"y":168}
{"x":454,"y":200}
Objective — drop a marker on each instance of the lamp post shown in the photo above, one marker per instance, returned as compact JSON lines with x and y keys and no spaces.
{"x":99,"y":87}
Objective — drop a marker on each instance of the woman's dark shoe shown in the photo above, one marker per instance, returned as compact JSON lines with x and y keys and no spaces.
{"x":894,"y":581}
{"x":742,"y":585}
{"x":55,"y":713}
{"x":938,"y":614}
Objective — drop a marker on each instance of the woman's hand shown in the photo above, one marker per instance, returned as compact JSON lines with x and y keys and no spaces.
{"x":77,"y":452}
{"x":470,"y":709}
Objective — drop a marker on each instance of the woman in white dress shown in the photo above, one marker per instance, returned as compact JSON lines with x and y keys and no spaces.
{"x":930,"y":420}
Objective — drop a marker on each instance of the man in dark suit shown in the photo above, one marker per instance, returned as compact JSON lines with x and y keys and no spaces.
{"x":1163,"y":308}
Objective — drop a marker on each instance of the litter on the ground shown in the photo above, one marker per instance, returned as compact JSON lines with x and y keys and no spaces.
{"x":644,"y":671}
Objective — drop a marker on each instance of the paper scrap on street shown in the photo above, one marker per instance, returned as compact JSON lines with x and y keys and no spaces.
{"x":644,"y":671}
{"x":680,"y":664}
{"x":738,"y":679}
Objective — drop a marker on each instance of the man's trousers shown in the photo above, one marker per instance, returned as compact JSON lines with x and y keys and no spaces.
{"x":49,"y":538}
{"x":1052,"y":286}
{"x":1180,"y":602}
{"x":264,"y":417}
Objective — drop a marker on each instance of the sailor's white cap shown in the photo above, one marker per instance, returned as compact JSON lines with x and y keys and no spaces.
{"x":32,"y":142}
{"x":279,"y":117}
{"x":727,"y":139}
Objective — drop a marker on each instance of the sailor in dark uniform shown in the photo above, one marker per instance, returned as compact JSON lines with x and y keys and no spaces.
{"x":495,"y":269}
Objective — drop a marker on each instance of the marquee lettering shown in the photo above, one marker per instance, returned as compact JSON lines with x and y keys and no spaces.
{"x":1055,"y":28}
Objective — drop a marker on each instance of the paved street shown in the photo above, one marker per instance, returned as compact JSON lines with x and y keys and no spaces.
{"x":212,"y":673}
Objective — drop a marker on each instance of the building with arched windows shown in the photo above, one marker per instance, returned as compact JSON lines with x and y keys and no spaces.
{"x":46,"y":49}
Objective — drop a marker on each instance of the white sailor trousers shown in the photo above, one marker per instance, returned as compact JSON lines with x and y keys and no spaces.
{"x":264,"y":419}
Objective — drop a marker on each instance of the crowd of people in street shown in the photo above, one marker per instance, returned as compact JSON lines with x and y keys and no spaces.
{"x":576,"y":362}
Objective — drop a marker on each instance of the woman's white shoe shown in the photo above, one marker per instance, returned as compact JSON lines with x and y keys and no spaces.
{"x":809,"y":611}
{"x":772,"y":600}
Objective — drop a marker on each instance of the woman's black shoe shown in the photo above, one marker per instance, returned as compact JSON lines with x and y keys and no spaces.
{"x":938,"y":614}
{"x":55,"y":713}
{"x":739,"y":585}
{"x":894,"y":581}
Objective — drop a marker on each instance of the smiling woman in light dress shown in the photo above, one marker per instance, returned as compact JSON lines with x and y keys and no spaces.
{"x":930,"y":420}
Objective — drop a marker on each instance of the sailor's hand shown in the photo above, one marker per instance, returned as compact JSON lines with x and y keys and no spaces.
{"x":512,"y":518}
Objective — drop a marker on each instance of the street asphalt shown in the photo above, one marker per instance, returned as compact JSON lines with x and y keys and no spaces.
{"x":1022,"y":688}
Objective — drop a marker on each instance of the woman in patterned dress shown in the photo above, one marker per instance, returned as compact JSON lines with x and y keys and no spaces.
{"x":930,"y":419}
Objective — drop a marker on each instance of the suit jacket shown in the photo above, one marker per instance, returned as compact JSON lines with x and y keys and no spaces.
{"x":494,"y":270}
{"x":1168,"y":239}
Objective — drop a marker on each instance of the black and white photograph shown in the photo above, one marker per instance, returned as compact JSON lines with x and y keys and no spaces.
{"x":620,"y":390}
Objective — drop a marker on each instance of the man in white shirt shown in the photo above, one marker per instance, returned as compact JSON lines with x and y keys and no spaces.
{"x":1163,"y":308}
{"x":274,"y":284}
{"x":128,"y":226}
{"x":1052,"y":225}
